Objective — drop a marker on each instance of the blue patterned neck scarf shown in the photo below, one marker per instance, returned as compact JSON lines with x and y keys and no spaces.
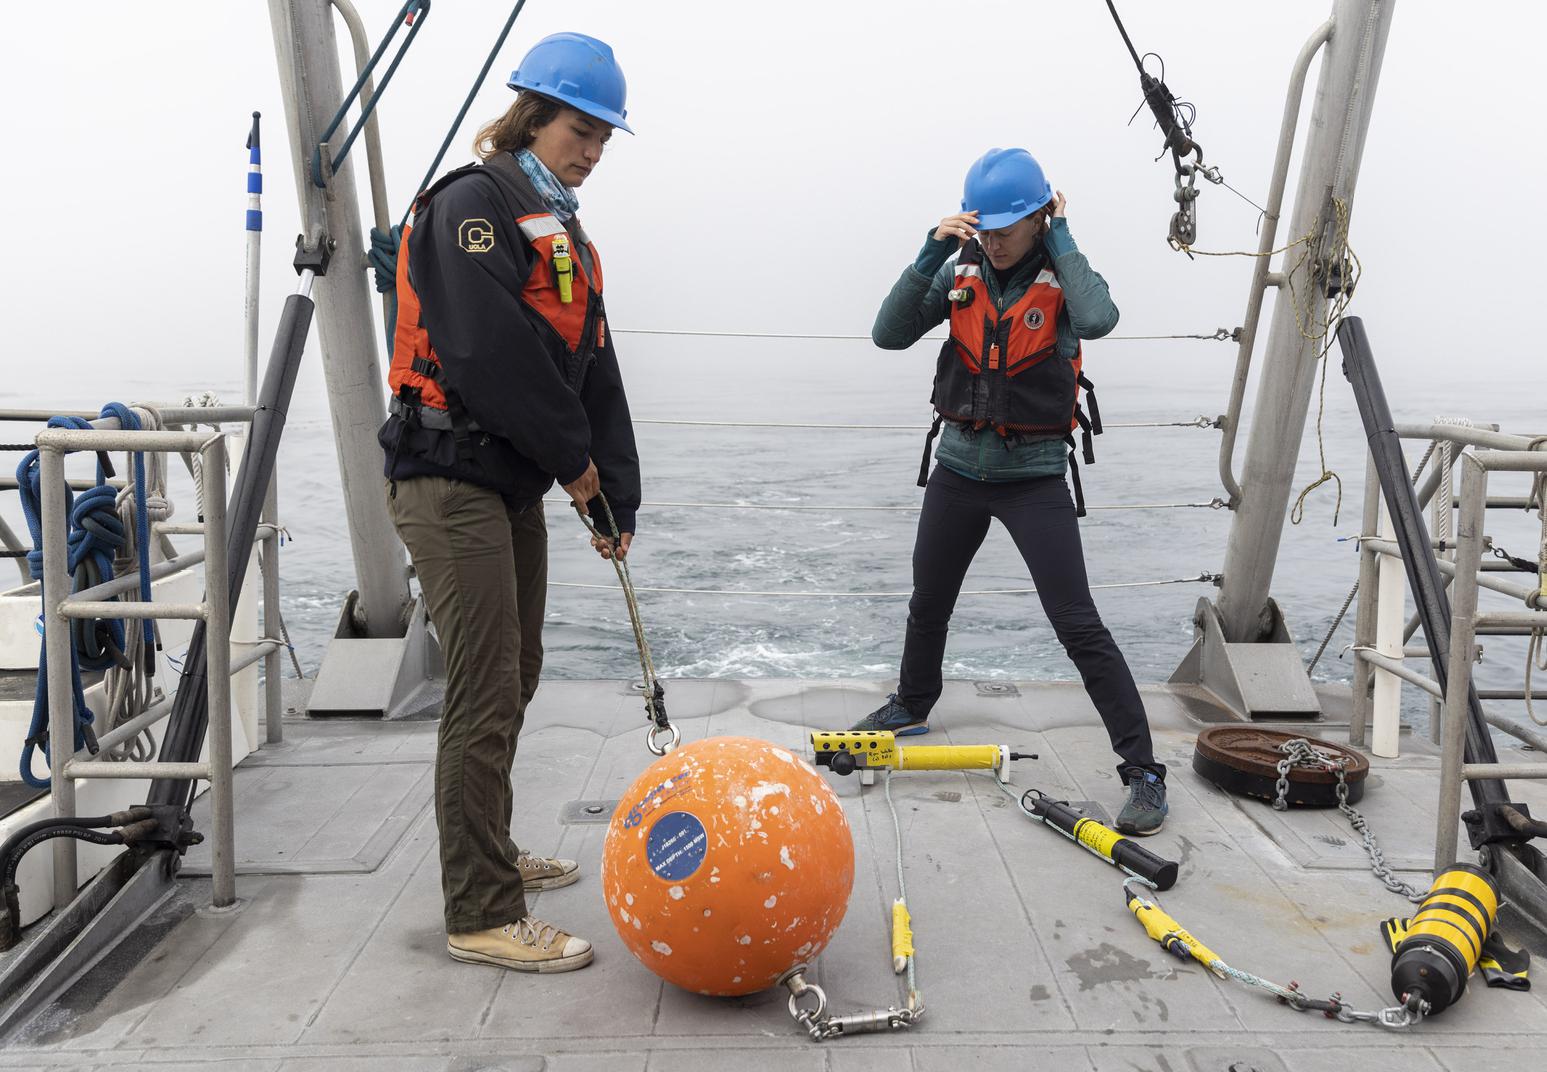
{"x":560,"y":198}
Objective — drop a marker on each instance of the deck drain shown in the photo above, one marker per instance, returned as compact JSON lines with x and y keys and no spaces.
{"x":581,"y":812}
{"x":996,"y":688}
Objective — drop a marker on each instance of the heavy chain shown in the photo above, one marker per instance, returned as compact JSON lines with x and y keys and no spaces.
{"x":1299,"y":753}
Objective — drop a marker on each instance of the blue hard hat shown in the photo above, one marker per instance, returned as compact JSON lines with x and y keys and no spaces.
{"x":1004,"y":185}
{"x":576,"y":70}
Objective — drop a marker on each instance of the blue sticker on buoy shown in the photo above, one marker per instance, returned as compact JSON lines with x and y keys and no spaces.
{"x":676,"y":845}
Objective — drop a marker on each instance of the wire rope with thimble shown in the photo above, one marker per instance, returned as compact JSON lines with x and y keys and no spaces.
{"x":655,"y":692}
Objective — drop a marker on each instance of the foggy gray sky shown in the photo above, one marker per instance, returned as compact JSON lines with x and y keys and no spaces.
{"x":789,"y":159}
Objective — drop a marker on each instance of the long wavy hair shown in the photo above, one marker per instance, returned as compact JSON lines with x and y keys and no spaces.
{"x":516,"y":129}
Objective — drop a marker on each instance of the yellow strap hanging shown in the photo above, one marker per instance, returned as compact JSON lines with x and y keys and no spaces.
{"x":902,"y":936}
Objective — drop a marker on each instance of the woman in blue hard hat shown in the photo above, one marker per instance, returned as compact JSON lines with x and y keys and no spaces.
{"x":1020,"y":297}
{"x":504,"y":382}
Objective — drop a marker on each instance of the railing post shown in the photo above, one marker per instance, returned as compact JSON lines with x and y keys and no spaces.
{"x":1463,"y":624}
{"x":272,"y":699}
{"x":217,"y":600}
{"x":56,"y":646}
{"x":1364,"y":616}
{"x":1389,"y":619}
{"x":1442,"y":515}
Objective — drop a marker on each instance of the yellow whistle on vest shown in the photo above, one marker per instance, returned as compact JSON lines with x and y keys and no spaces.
{"x":563,"y":269}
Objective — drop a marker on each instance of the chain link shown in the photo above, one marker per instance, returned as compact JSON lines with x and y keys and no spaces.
{"x":1299,"y":753}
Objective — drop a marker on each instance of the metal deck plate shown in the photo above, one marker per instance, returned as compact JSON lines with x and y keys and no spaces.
{"x":1027,"y":958}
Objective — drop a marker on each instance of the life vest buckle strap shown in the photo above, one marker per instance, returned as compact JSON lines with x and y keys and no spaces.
{"x":1074,"y":479}
{"x":1090,"y":398}
{"x":929,"y":440}
{"x":430,"y":370}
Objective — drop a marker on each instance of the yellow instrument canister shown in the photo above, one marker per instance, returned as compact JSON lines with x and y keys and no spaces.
{"x":1445,"y":939}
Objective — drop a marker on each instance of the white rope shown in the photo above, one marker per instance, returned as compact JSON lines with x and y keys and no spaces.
{"x":1195,"y":422}
{"x":1202,"y":578}
{"x":1213,"y":504}
{"x":1219,"y":335}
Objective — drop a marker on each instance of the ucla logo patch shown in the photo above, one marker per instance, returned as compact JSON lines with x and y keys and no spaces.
{"x":1033,"y":318}
{"x":476,"y":235}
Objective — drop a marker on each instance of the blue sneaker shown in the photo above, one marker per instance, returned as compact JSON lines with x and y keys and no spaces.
{"x":895,"y":717}
{"x":1145,"y":810}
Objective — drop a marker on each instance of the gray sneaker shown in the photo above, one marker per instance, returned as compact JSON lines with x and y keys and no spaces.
{"x":1145,"y":811}
{"x":893,"y":716}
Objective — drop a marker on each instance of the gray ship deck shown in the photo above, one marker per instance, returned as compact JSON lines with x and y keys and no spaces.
{"x":1027,"y":958}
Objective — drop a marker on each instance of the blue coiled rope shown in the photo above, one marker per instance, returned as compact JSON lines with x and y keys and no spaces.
{"x":96,"y":534}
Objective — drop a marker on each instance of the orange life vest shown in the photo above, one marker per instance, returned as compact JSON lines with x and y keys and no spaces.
{"x":563,"y":295}
{"x":1002,"y":370}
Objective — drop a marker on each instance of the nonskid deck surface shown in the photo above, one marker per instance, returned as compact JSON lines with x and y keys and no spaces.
{"x":1027,"y":958}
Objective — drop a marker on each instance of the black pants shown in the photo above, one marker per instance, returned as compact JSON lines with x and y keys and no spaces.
{"x":1040,"y":517}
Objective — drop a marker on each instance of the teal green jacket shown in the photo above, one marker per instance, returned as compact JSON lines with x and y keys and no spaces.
{"x":918,"y":302}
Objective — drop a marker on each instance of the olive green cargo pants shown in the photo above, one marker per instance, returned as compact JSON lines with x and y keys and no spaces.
{"x":483,"y":568}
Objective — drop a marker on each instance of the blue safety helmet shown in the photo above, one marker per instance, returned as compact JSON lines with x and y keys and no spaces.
{"x":1004,"y":185}
{"x":576,"y":70}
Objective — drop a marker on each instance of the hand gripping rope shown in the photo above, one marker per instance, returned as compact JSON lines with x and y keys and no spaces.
{"x":655,"y":692}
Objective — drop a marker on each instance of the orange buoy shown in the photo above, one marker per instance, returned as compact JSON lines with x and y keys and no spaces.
{"x":728,"y":862}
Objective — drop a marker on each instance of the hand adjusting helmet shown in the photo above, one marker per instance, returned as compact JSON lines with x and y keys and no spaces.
{"x":579,"y":71}
{"x":1004,"y":185}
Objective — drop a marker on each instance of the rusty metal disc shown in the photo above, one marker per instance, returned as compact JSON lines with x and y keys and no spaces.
{"x":1244,"y":760}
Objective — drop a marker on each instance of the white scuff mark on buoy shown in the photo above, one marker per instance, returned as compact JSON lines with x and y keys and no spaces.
{"x":802,"y":951}
{"x":745,"y":939}
{"x":774,"y":810}
{"x":782,"y":754}
{"x":739,"y":800}
{"x":767,"y":789}
{"x":816,"y":804}
{"x":737,"y":979}
{"x":661,"y":948}
{"x":639,"y":924}
{"x":784,"y":857}
{"x":714,"y":878}
{"x":628,"y":899}
{"x":771,"y":901}
{"x":676,"y":893}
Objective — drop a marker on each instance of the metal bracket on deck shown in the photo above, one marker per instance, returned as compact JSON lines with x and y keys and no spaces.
{"x":1259,"y":680}
{"x":388,"y":677}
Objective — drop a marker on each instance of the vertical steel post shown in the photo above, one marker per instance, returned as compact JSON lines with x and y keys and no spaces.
{"x":307,"y":51}
{"x":1364,"y":616}
{"x":217,"y":603}
{"x":56,"y":646}
{"x":1442,"y":512}
{"x":1345,"y":95}
{"x":1386,"y":706}
{"x":1463,"y":625}
{"x":272,"y":699}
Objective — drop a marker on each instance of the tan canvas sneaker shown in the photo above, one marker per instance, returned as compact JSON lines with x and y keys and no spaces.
{"x":527,"y":945}
{"x":546,"y":873}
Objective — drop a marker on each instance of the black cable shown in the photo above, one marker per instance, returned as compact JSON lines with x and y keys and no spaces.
{"x":1131,"y":50}
{"x":12,"y":861}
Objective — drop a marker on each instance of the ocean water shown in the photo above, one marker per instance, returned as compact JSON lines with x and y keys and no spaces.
{"x":843,"y":542}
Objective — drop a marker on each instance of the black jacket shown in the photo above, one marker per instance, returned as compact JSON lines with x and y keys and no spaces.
{"x":505,"y":363}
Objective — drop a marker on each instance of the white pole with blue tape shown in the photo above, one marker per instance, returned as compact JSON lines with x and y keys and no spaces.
{"x":254,"y":243}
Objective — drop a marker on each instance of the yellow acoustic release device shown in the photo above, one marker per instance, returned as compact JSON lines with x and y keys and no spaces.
{"x":847,"y":751}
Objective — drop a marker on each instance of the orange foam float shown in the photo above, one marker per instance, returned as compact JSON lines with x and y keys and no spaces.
{"x":727,"y":862}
